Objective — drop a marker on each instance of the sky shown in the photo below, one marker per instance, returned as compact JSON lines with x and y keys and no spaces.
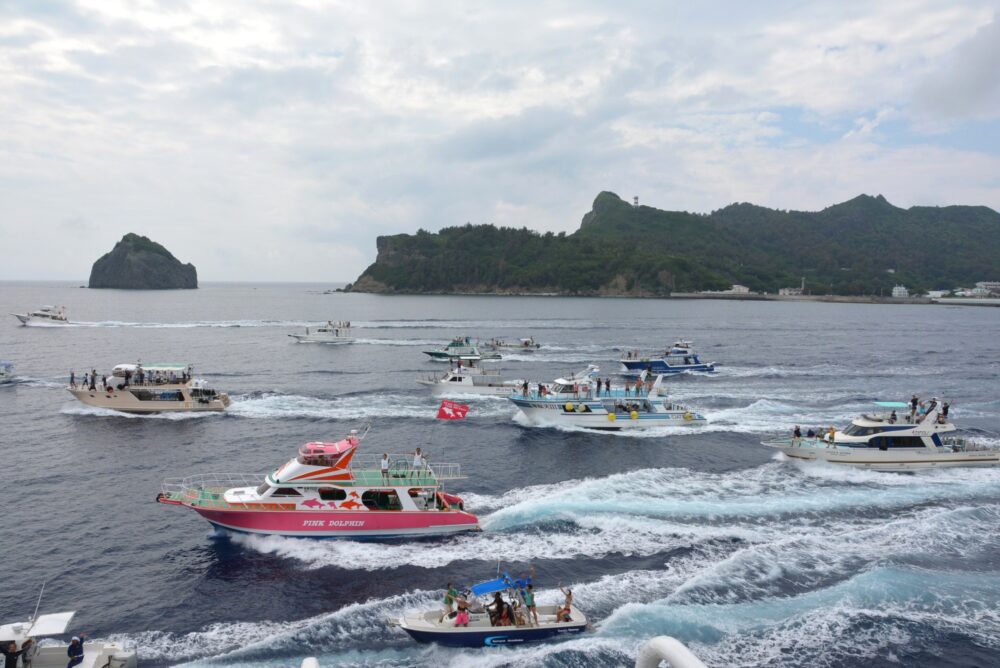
{"x":275,"y":140}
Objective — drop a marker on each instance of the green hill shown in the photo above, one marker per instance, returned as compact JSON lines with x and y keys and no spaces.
{"x":860,"y":247}
{"x":138,"y":263}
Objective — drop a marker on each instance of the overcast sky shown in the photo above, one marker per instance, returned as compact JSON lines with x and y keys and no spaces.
{"x":275,"y":140}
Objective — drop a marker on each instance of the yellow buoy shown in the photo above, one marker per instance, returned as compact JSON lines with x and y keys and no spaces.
{"x":612,"y":417}
{"x":688,"y":417}
{"x":634,"y":415}
{"x":568,"y":407}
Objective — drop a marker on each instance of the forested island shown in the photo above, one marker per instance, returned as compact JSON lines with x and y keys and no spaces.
{"x":863,"y":246}
{"x":138,"y":263}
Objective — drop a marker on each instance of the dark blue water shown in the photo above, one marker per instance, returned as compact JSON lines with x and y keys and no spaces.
{"x":703,"y":534}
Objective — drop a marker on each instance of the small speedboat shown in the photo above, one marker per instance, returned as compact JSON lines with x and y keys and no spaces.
{"x":151,"y":388}
{"x":898,"y":438}
{"x":522,"y":345}
{"x":484,"y":629}
{"x":49,"y":315}
{"x":471,"y":380}
{"x":6,"y":372}
{"x":327,"y":492}
{"x":53,"y":654}
{"x":461,"y":349}
{"x":581,"y":401}
{"x":678,"y":358}
{"x":331,"y":332}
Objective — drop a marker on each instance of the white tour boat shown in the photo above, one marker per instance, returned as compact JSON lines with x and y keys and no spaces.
{"x":331,"y":332}
{"x":150,"y":388}
{"x":53,"y":655}
{"x":6,"y":372}
{"x":891,"y":441}
{"x":470,"y":380}
{"x":461,"y":348}
{"x":48,"y":315}
{"x":583,"y":401}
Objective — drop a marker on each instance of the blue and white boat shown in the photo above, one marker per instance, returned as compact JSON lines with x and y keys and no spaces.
{"x":585,"y":402}
{"x":679,"y":357}
{"x":438,"y":626}
{"x":896,"y":439}
{"x":6,"y":372}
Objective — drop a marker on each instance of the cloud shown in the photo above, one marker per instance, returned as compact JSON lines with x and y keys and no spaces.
{"x":967,"y":83}
{"x":261,"y":140}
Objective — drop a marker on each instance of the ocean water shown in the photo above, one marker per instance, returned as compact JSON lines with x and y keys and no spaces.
{"x":701,"y":534}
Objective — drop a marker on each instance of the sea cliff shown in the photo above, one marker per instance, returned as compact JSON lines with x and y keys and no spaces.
{"x":137,"y":263}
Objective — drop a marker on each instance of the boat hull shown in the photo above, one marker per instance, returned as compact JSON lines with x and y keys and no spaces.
{"x":127,"y":402}
{"x":659,"y":366}
{"x":330,"y":340}
{"x":439,"y":389}
{"x":556,"y":415}
{"x":495,"y":636}
{"x":888,"y":460}
{"x":27,"y":319}
{"x":341,"y":524}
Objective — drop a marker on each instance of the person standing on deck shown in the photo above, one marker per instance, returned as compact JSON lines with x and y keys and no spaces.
{"x":385,"y":467}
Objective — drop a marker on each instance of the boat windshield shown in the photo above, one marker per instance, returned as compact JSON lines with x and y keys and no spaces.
{"x":858,"y":430}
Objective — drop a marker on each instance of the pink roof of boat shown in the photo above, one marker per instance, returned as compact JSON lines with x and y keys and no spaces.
{"x":322,"y":448}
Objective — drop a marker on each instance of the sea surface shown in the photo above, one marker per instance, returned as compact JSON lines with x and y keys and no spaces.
{"x":703,"y":534}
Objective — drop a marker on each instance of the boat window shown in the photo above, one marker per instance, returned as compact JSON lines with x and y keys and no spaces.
{"x":456,"y":379}
{"x":381,"y":499}
{"x":262,"y":490}
{"x":905,"y":441}
{"x":857,"y":430}
{"x":332,"y":494}
{"x":286,"y":491}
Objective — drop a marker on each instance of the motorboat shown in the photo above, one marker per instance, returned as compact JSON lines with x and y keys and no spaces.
{"x":327,"y":491}
{"x":52,"y":654}
{"x":522,"y":345}
{"x":678,"y":358}
{"x":898,"y":438}
{"x":583,"y":401}
{"x":6,"y":372}
{"x":470,"y":380}
{"x":150,"y":388}
{"x":46,"y":315}
{"x":331,"y":332}
{"x":486,"y":630}
{"x":461,"y":348}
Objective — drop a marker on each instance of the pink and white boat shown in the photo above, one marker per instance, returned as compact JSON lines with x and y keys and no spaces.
{"x":328,"y":492}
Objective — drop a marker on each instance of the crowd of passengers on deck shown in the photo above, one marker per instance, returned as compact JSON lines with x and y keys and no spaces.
{"x":139,"y":378}
{"x":519,"y":610}
{"x":917,"y":414}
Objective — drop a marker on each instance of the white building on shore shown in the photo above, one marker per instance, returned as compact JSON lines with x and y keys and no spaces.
{"x":900,"y":292}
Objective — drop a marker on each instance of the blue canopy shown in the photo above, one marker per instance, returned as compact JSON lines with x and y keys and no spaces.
{"x":892,"y":404}
{"x":489,"y":587}
{"x":501,"y":583}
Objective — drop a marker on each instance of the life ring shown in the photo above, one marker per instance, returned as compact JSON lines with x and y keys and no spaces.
{"x":612,"y":417}
{"x":688,"y":416}
{"x":568,"y":407}
{"x":634,"y":415}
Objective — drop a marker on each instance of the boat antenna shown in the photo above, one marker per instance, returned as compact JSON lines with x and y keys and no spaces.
{"x":38,"y":603}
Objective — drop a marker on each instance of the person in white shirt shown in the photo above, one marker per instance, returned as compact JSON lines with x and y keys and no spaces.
{"x":385,"y":467}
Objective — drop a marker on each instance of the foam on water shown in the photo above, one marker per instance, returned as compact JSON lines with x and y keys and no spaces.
{"x":94,"y":411}
{"x":387,"y":404}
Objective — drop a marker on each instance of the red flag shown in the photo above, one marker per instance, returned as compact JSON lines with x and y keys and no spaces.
{"x":449,"y":410}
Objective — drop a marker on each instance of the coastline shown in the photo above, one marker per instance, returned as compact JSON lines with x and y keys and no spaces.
{"x":836,"y":299}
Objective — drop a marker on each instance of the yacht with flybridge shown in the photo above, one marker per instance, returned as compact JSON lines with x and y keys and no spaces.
{"x":898,"y":438}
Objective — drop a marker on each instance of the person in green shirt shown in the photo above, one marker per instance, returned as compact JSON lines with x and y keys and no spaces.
{"x":449,"y":601}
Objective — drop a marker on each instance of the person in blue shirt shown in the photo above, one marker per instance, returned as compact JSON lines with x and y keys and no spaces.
{"x":75,"y":651}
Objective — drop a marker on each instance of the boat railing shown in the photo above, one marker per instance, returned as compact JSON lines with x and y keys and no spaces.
{"x":401,"y":466}
{"x":207,"y":489}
